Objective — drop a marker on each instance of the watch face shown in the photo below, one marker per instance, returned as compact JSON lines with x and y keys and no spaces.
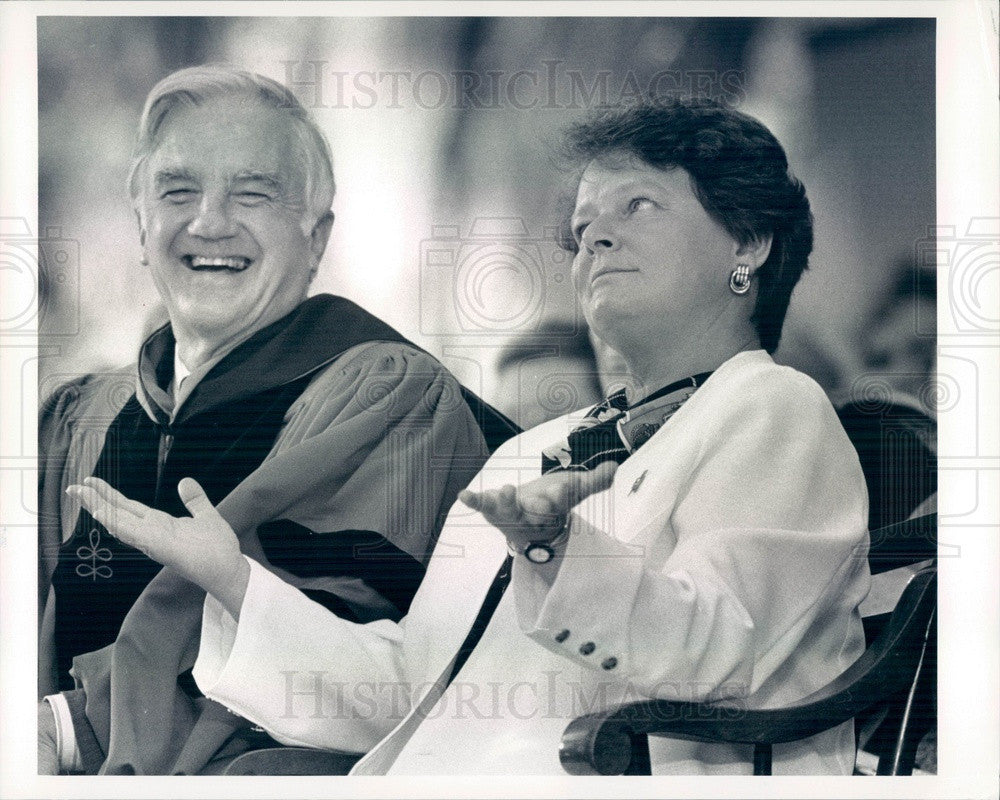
{"x":538,"y":553}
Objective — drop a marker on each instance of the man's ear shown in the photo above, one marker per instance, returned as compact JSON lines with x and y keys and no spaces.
{"x":144,"y":259}
{"x":320,"y":235}
{"x":754,"y":252}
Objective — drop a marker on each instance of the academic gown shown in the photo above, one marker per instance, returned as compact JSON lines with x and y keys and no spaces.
{"x":330,"y":444}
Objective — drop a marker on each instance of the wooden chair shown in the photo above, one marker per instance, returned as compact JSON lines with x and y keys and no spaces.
{"x":890,"y":675}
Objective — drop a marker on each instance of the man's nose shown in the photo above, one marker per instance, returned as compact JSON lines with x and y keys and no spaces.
{"x":213,"y":219}
{"x":600,"y":235}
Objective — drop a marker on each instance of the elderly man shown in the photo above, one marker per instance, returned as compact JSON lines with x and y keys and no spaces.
{"x":329,"y":442}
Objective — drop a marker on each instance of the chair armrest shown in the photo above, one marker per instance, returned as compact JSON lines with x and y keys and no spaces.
{"x":601,"y":743}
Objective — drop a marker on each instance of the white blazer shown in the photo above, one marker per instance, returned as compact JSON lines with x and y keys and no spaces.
{"x":727,"y":560}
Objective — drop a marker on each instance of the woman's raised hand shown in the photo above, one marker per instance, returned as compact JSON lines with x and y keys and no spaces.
{"x":537,"y":510}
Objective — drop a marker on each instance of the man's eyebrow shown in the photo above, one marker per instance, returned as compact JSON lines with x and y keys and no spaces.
{"x":166,"y":175}
{"x":273,"y":179}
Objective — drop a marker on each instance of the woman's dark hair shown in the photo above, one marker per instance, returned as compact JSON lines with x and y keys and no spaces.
{"x":739,"y":174}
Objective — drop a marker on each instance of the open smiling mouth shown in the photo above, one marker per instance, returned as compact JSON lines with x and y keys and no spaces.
{"x":217,"y":263}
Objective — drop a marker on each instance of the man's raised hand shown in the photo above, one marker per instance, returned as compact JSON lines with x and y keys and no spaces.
{"x":203,"y":547}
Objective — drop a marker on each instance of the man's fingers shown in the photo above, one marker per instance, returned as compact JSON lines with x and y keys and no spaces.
{"x":116,"y":499}
{"x":599,"y":479}
{"x":194,"y":498}
{"x":109,"y":515}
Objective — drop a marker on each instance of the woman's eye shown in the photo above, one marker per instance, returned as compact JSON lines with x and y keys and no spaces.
{"x":637,"y":203}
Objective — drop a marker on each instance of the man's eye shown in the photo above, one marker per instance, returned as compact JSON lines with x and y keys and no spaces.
{"x":252,"y":198}
{"x":178,"y":195}
{"x":637,"y":203}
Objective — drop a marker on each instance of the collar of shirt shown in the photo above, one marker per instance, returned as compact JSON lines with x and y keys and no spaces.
{"x":185,"y":380}
{"x":180,"y":373}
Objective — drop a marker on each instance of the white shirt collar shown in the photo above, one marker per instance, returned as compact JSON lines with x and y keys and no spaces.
{"x":180,"y":373}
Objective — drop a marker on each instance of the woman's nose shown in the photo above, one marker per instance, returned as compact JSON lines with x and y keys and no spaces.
{"x":600,"y":235}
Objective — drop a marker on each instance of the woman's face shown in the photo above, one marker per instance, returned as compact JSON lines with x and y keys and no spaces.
{"x":651,"y":262}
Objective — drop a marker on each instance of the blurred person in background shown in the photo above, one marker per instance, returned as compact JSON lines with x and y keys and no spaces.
{"x":547,"y":376}
{"x":890,"y":418}
{"x":294,"y":415}
{"x":889,"y":413}
{"x":700,"y":535}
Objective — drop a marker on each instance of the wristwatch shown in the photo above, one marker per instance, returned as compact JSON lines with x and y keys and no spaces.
{"x":544,"y":552}
{"x":539,"y":552}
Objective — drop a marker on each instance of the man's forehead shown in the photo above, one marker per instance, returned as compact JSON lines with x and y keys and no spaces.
{"x":232,"y":135}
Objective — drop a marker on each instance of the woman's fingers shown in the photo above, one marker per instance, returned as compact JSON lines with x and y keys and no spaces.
{"x":497,"y":505}
{"x":588,"y":483}
{"x":473,"y":500}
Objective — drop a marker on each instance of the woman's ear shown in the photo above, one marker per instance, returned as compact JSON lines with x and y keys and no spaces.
{"x":754,"y":252}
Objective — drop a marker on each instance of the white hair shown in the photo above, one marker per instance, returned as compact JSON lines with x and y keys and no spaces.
{"x":195,"y":86}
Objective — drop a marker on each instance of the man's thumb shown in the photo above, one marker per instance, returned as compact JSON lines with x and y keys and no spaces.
{"x":194,"y":498}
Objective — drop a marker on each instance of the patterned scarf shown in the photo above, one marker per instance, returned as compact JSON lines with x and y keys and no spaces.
{"x":613,"y":430}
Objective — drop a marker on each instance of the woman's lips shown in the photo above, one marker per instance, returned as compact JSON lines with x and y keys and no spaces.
{"x":602,"y":272}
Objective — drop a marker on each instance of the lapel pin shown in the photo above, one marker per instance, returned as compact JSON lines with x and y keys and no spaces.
{"x":638,"y":482}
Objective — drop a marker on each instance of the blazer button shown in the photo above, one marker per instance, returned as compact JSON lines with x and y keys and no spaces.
{"x":609,"y":663}
{"x":587,"y":648}
{"x":562,"y":636}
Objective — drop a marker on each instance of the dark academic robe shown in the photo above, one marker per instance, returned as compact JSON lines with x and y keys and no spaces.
{"x":331,"y":445}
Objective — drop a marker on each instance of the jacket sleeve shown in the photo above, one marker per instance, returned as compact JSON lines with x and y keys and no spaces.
{"x":360,"y":479}
{"x":307,"y":676}
{"x":770,"y":535}
{"x":379,"y":445}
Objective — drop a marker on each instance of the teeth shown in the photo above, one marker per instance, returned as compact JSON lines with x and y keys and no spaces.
{"x":228,"y":262}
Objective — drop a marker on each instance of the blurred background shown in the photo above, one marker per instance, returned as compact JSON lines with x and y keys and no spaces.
{"x":444,"y":133}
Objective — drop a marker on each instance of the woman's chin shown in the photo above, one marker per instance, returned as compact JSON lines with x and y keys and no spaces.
{"x":611,"y":318}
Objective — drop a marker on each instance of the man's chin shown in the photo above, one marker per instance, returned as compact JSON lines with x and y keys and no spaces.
{"x":214,"y":323}
{"x":226,"y":322}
